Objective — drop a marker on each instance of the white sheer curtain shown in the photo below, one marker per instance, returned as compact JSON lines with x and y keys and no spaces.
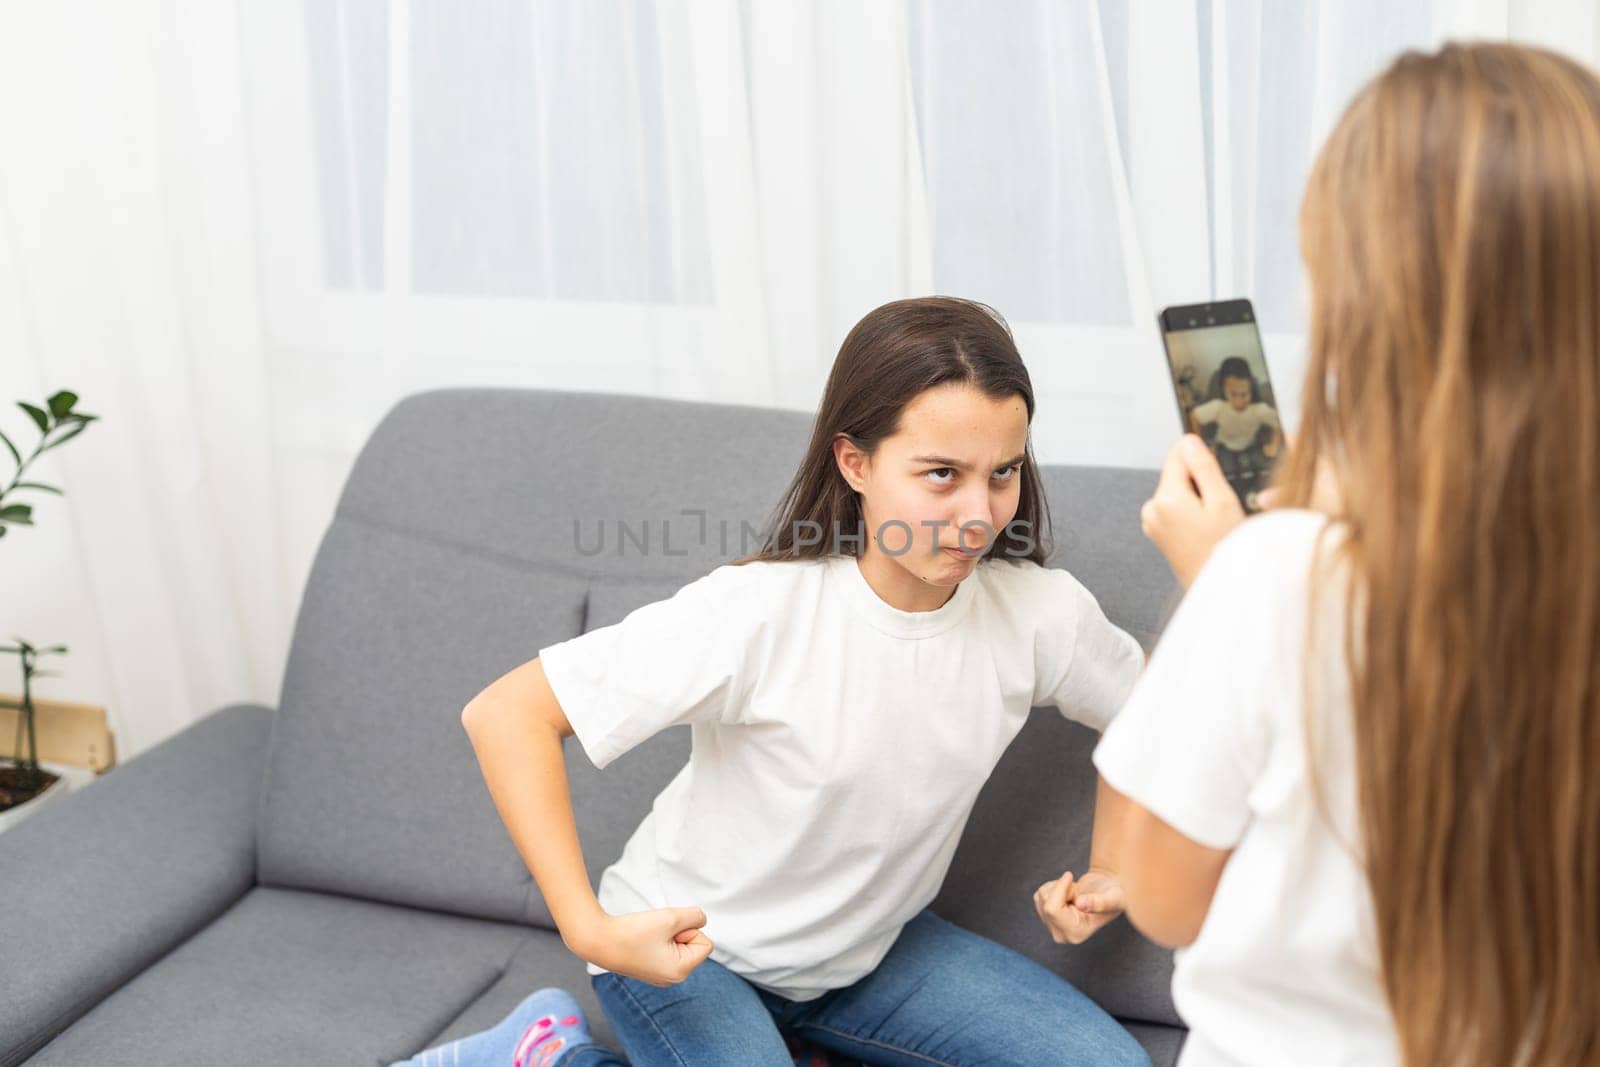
{"x":241,"y":232}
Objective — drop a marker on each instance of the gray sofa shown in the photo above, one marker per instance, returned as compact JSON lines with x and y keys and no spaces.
{"x":328,"y":881}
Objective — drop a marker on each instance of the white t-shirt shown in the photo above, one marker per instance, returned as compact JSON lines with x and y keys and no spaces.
{"x":839,"y":744}
{"x":1236,"y":429}
{"x":1213,"y":741}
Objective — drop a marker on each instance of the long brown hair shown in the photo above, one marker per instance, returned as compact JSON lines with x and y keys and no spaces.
{"x":1451,"y":234}
{"x":886,"y":361}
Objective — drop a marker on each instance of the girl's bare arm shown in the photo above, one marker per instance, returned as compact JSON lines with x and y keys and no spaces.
{"x":1167,"y":879}
{"x":517,"y":726}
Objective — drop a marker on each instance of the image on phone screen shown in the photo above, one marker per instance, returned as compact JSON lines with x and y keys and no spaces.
{"x":1219,"y":373}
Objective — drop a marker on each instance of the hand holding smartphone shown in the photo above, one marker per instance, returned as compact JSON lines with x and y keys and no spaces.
{"x":1224,"y":394}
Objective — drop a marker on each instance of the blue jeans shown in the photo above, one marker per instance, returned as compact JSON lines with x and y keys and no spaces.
{"x":942,"y":995}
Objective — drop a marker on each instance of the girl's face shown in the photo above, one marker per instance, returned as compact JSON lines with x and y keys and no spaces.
{"x":956,"y":459}
{"x":1237,"y":391}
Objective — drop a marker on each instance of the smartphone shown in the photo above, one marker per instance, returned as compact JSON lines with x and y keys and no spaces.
{"x":1219,"y":376}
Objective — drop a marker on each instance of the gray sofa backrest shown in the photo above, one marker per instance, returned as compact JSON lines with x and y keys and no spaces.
{"x":453,"y":557}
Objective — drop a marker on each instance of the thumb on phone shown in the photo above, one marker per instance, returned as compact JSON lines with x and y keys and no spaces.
{"x":1272,"y":496}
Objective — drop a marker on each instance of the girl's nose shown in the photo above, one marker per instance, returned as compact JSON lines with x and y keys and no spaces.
{"x":975,"y":531}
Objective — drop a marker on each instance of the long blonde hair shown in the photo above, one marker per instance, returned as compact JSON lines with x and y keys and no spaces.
{"x":1451,"y":234}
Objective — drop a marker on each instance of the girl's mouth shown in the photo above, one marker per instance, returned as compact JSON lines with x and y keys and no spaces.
{"x":962,"y":554}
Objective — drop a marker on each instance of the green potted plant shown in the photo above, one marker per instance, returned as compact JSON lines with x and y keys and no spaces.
{"x":22,"y":780}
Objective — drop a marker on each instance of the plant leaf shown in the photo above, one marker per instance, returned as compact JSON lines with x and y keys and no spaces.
{"x":14,"y":453}
{"x":40,"y":419}
{"x":61,"y":403}
{"x":39,"y":485}
{"x":22,"y":514}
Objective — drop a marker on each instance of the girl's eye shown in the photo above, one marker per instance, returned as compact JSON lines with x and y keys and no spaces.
{"x":1003,"y":475}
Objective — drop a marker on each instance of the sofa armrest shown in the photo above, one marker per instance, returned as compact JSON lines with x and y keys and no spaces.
{"x":99,"y":884}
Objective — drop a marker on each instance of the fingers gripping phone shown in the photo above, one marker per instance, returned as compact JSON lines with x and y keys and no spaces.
{"x":1219,"y":375}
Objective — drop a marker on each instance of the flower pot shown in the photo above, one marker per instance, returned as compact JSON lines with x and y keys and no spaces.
{"x":66,"y":777}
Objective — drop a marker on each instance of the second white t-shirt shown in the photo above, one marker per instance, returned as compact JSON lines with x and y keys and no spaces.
{"x":839,"y":744}
{"x":1213,"y":742}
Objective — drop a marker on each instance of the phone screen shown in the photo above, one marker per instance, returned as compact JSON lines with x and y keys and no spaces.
{"x":1219,"y":373}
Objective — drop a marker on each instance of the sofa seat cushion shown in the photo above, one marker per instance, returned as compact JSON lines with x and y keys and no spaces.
{"x":290,"y":976}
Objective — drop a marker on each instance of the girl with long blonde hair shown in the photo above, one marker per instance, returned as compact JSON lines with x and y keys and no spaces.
{"x":1364,"y":762}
